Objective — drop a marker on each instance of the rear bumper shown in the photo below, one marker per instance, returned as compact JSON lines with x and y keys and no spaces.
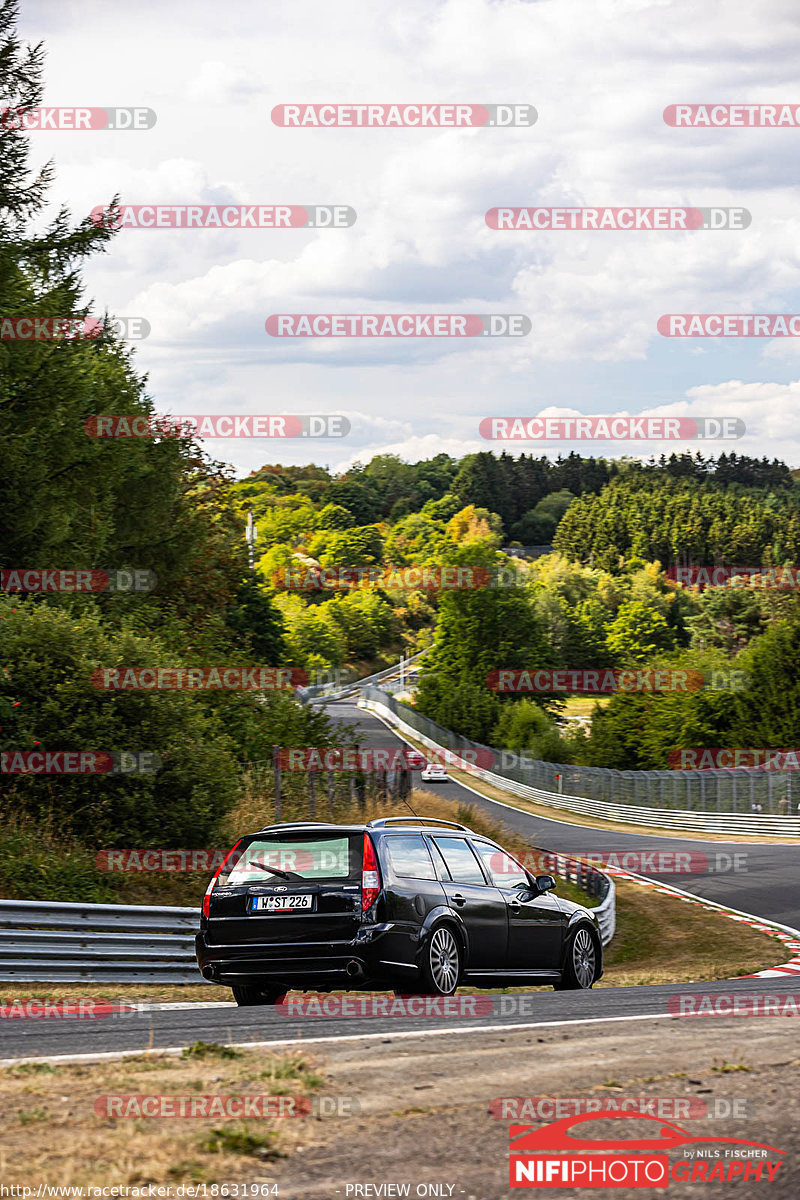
{"x":303,"y":964}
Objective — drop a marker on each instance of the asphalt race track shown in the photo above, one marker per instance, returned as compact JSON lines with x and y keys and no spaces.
{"x":769,"y":888}
{"x":176,"y":1026}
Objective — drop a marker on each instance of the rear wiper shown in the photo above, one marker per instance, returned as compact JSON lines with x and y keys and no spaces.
{"x":275,"y":871}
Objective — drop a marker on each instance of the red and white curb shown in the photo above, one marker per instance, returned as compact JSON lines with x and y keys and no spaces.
{"x":790,"y":937}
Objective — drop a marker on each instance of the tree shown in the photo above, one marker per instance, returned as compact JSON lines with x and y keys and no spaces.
{"x":478,"y":631}
{"x":51,"y":655}
{"x":538,"y":526}
{"x":257,"y":623}
{"x":361,"y":546}
{"x":767,"y":709}
{"x":358,"y":495}
{"x":475,"y":525}
{"x":525,"y":727}
{"x":335,"y":516}
{"x":638,"y":632}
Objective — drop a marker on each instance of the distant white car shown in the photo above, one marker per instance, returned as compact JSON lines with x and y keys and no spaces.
{"x":433,"y":772}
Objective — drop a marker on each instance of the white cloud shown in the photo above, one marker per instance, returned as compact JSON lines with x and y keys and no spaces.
{"x":600,"y":73}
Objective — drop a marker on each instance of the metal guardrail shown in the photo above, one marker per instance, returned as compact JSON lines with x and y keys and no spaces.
{"x":597,"y":884}
{"x":662,"y":816}
{"x":43,"y":942}
{"x":328,"y":691}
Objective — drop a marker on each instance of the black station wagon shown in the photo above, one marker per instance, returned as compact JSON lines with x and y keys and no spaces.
{"x":413,"y":904}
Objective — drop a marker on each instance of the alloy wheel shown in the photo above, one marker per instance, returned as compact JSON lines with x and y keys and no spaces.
{"x":444,"y":962}
{"x":583,"y":958}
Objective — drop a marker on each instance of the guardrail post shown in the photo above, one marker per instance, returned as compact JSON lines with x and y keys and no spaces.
{"x":276,"y":778}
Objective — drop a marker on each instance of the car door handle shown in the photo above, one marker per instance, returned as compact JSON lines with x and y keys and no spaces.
{"x":458,"y":899}
{"x":514,"y":904}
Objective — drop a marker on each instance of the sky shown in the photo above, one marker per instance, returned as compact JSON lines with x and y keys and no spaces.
{"x":599,"y":75}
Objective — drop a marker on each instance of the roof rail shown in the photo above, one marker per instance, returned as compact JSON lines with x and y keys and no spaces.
{"x":297,"y":825}
{"x":380,"y":821}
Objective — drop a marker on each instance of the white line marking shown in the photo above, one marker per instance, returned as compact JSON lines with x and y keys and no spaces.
{"x":385,"y":1035}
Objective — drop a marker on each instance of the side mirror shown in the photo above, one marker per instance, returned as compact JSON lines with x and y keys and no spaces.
{"x":545,"y":883}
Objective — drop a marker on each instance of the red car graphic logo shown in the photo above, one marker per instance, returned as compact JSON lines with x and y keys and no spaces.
{"x":557,"y":1136}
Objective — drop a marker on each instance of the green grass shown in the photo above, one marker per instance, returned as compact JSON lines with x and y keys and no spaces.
{"x":210,"y":1050}
{"x":241,"y":1141}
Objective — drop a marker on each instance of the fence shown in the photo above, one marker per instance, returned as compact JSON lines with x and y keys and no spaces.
{"x":768,"y":799}
{"x":309,"y":794}
{"x":708,"y":803}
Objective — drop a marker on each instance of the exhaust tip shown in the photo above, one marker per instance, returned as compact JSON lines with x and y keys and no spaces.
{"x":354,"y":969}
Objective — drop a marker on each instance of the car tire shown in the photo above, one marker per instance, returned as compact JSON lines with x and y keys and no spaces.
{"x":580,"y":968}
{"x":246,"y":994}
{"x":441,"y":962}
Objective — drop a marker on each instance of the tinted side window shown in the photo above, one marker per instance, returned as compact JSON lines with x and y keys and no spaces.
{"x":461,"y":862}
{"x":504,"y":870}
{"x":408,"y":855}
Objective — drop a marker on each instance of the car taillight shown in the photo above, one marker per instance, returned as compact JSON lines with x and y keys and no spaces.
{"x":215,"y":877}
{"x":370,"y":875}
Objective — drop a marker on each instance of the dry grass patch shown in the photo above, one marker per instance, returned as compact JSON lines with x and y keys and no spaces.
{"x":52,"y":1132}
{"x":662,"y":939}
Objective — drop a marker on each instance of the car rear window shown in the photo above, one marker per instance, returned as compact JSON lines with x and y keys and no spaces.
{"x":337,"y":856}
{"x":409,"y":856}
{"x":461,"y":862}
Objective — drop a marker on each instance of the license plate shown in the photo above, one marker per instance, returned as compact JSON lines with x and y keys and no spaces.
{"x":282,"y":903}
